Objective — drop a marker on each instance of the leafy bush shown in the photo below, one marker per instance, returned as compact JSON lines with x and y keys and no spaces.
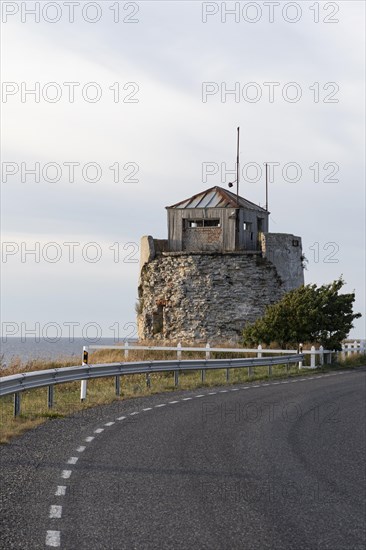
{"x":306,"y":314}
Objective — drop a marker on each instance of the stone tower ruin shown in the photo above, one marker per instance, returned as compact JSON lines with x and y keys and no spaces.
{"x":218,"y":269}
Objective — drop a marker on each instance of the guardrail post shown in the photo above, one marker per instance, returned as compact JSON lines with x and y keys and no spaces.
{"x":126,"y":349}
{"x":227,"y":375}
{"x":348,"y":349}
{"x":117,"y":385}
{"x":208,"y":356}
{"x":148,"y":380}
{"x":312,"y":357}
{"x":203,"y":376}
{"x":355,"y":346}
{"x":269,"y":370}
{"x":300,"y":351}
{"x":179,"y":357}
{"x":343,"y":353}
{"x":259,"y":352}
{"x":288,"y":366}
{"x":16,"y":404}
{"x":250,"y":371}
{"x":83,"y":385}
{"x":208,"y":353}
{"x":50,"y":396}
{"x":321,"y":355}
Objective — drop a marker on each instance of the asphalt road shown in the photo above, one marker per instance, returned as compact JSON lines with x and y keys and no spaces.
{"x":262,"y":466}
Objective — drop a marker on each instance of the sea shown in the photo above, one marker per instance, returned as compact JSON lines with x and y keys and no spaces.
{"x":29,"y":348}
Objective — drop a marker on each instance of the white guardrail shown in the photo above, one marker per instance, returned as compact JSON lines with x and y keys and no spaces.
{"x":324,"y":355}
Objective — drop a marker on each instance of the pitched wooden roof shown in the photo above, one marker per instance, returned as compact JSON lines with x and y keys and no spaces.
{"x":217,"y":197}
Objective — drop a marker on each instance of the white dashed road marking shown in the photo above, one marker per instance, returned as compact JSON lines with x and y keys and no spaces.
{"x":161,"y":405}
{"x":53,"y":538}
{"x":89,"y":439}
{"x":147,"y":409}
{"x":109,"y":424}
{"x":121,"y":418}
{"x":99,"y":430}
{"x":81,"y":449}
{"x":187,"y":398}
{"x":173,"y":402}
{"x":55,"y":511}
{"x":65,"y":474}
{"x":60,"y":491}
{"x":73,"y":460}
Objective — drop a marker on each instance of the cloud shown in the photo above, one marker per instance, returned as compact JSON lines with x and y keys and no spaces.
{"x":170,"y":132}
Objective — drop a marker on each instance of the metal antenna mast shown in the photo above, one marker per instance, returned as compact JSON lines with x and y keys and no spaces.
{"x":231,"y":183}
{"x":237,"y":169}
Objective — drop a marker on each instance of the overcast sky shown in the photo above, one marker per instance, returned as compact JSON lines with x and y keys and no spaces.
{"x":151,"y":99}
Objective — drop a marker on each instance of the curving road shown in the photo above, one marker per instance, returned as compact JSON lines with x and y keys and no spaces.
{"x":276,"y":465}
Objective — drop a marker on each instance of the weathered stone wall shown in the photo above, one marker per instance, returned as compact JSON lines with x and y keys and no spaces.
{"x":147,"y":250}
{"x":284,"y":251}
{"x":204,"y":296}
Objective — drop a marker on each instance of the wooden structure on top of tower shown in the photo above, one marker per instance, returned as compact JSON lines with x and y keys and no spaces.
{"x":215,"y":220}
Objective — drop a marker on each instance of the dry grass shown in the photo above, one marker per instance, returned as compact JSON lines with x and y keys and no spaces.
{"x":34,"y":410}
